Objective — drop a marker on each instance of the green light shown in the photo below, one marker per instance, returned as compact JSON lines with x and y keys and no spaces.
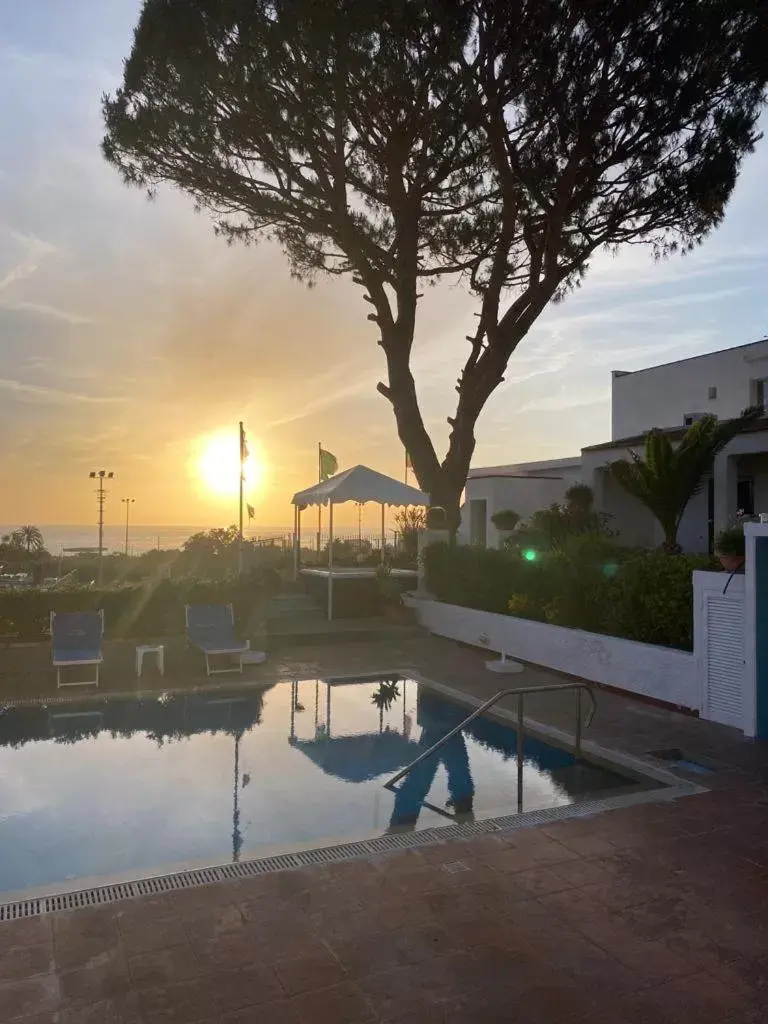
{"x":530,"y":555}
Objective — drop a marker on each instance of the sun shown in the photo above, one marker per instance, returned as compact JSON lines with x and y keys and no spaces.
{"x":217,"y":465}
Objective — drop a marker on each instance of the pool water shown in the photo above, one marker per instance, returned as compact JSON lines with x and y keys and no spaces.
{"x":111,"y":787}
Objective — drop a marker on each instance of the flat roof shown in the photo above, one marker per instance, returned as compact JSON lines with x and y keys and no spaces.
{"x":674,"y":432}
{"x":526,"y":469}
{"x":617,"y":374}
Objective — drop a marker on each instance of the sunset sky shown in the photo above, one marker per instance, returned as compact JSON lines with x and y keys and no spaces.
{"x":129,"y":334}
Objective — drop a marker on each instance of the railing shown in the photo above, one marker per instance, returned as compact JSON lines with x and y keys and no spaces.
{"x":520,"y":693}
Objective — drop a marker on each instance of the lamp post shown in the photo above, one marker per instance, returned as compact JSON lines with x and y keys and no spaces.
{"x":127,"y":502}
{"x":101,"y":495}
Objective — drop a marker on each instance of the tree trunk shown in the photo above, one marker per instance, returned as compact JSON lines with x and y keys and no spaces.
{"x":444,"y":482}
{"x":670,"y":544}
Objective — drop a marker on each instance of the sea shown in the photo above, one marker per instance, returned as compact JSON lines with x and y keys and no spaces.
{"x":58,"y":539}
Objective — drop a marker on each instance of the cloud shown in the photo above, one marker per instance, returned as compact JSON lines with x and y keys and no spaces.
{"x":35,"y":251}
{"x":39,"y":392}
{"x":43,"y":309}
{"x":353,"y":389}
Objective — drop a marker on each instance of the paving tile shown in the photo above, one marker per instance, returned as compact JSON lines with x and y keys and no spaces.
{"x":244,"y":987}
{"x":77,"y":951}
{"x":98,"y":923}
{"x":612,"y":1007}
{"x":511,"y":860}
{"x":438,"y":1014}
{"x":365,"y":954}
{"x":104,"y":977}
{"x":327,"y":926}
{"x":398,"y":992}
{"x":107,"y":1011}
{"x":619,"y":895}
{"x":551,"y":852}
{"x":584,"y":872}
{"x":32,"y":996}
{"x":203,"y":923}
{"x":433,"y":1015}
{"x":30,"y":931}
{"x":540,"y":882}
{"x":20,"y":962}
{"x":340,"y":1004}
{"x":164,"y":966}
{"x":699,"y":997}
{"x":281,"y":1011}
{"x":654,"y":962}
{"x":224,"y":951}
{"x":539,"y":996}
{"x":141,"y":936}
{"x":184,"y":1002}
{"x":305,"y":973}
{"x":52,"y":1017}
{"x":589,"y":846}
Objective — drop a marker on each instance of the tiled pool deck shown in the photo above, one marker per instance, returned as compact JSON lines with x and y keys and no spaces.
{"x":656,"y":913}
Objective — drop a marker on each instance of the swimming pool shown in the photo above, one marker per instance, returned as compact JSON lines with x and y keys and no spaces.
{"x":132,"y":787}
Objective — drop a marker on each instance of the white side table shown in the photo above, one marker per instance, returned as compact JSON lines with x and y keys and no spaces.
{"x":157,"y":649}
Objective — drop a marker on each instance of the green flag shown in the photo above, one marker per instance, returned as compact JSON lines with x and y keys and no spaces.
{"x":329,"y":465}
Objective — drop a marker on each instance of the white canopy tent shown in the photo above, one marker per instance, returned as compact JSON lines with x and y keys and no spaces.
{"x":358,"y":484}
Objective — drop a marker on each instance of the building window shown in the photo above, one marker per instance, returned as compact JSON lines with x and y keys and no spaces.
{"x":690,"y":418}
{"x":712,"y":394}
{"x":759,"y":392}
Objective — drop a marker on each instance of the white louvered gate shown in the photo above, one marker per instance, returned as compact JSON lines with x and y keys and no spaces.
{"x":723,"y":661}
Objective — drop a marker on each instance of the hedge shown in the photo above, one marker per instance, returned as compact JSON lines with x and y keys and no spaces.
{"x":152,"y":609}
{"x":591,"y":583}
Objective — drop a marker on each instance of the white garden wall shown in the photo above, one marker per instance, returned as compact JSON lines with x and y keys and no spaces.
{"x":659,"y":672}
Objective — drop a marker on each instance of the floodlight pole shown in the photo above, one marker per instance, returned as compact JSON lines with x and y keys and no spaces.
{"x":101,"y":496}
{"x":127,"y":502}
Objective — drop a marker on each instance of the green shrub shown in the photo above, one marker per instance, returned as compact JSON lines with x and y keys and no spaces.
{"x":653,"y":598}
{"x":476,"y":577}
{"x":155,"y":608}
{"x":589,"y":583}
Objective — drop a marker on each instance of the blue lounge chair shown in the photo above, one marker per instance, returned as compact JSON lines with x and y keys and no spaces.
{"x":76,"y":639}
{"x":211,"y":628}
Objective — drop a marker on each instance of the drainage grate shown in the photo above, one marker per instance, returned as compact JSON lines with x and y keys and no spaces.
{"x":347,"y":851}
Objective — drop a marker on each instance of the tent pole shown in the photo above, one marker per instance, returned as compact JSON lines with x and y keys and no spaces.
{"x":330,"y":560}
{"x":382,"y":534}
{"x":295,"y":542}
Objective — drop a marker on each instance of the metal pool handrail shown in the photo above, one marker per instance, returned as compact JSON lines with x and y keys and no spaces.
{"x":520,"y":693}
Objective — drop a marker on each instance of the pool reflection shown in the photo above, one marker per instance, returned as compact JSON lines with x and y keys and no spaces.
{"x":103,"y":786}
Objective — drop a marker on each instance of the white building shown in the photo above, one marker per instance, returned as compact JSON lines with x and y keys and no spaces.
{"x":670,"y":397}
{"x":524,"y":489}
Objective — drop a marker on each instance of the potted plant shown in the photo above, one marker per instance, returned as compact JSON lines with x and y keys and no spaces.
{"x":730,"y":547}
{"x":505,"y":521}
{"x":436,"y":518}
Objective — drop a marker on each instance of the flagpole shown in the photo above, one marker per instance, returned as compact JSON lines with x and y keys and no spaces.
{"x":319,"y":507}
{"x":240,"y":505}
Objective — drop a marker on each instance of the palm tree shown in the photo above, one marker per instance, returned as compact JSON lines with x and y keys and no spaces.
{"x":29,"y":537}
{"x":666,"y":478}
